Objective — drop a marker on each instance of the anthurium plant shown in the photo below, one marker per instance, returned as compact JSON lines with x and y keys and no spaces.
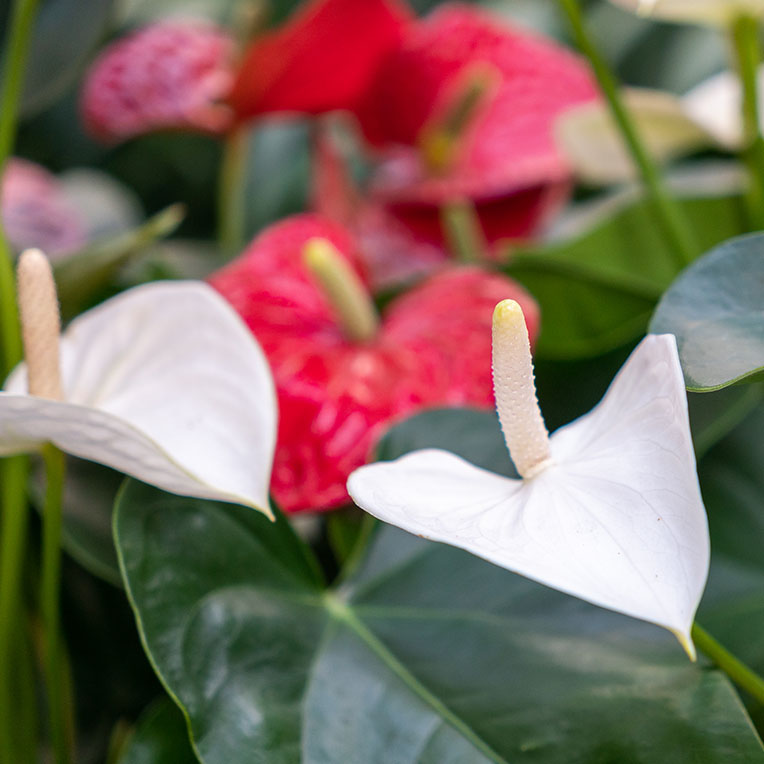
{"x":381,"y":383}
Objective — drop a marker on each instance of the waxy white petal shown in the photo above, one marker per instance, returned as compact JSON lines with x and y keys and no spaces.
{"x":165,"y":383}
{"x":617,"y":519}
{"x":722,"y":12}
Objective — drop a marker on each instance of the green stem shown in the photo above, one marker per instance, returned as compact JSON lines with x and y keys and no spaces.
{"x":13,"y":472}
{"x":673,"y":221}
{"x":463,"y":231}
{"x":55,"y":679}
{"x":734,"y":668}
{"x":13,"y":535}
{"x":745,"y":39}
{"x":232,"y":190}
{"x":17,"y":47}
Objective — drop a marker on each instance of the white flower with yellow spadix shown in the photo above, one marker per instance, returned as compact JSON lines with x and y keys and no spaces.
{"x":722,"y":12}
{"x":163,"y":382}
{"x":607,"y":509}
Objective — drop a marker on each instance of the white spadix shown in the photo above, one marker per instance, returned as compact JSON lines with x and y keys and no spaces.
{"x":608,"y":508}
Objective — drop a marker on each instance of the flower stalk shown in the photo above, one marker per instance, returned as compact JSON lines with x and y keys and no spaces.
{"x":733,"y":667}
{"x":745,"y":39}
{"x":232,"y":191}
{"x":675,"y":225}
{"x":463,"y":231}
{"x":13,"y":471}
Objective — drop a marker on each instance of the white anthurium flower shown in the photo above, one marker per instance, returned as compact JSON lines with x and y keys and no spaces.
{"x":163,"y":382}
{"x":714,"y":12}
{"x":608,"y":508}
{"x":709,"y":115}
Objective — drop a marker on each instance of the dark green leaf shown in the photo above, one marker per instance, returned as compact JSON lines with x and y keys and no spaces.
{"x":715,"y":415}
{"x":79,"y":277}
{"x":732,"y":477}
{"x":161,"y":737}
{"x":65,"y":34}
{"x":426,"y":654}
{"x":597,"y":290}
{"x":716,"y":310}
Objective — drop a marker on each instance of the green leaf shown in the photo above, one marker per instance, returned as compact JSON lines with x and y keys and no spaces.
{"x":425,"y":654}
{"x":160,"y":737}
{"x":716,"y":310}
{"x":79,"y":277}
{"x":598,"y":289}
{"x":714,"y":416}
{"x":65,"y":34}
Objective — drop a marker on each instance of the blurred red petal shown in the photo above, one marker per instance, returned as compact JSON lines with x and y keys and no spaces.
{"x":320,"y":60}
{"x":507,"y":158}
{"x":170,"y":75}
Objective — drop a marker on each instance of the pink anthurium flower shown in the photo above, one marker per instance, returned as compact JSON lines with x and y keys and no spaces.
{"x":608,"y":509}
{"x":463,"y":108}
{"x":172,"y":75}
{"x":183,"y":74}
{"x":163,"y":382}
{"x":35,"y":211}
{"x":342,"y":372}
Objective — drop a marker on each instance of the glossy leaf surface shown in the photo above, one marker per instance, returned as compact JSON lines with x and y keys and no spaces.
{"x":425,"y":654}
{"x":598,"y":288}
{"x":716,"y":310}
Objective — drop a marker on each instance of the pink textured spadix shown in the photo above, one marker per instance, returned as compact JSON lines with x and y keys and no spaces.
{"x":614,"y":517}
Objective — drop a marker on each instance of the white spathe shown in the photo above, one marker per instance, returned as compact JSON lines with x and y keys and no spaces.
{"x":714,"y":12}
{"x":617,"y":519}
{"x":165,"y":383}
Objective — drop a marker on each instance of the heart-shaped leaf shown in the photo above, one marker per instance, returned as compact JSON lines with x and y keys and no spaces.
{"x":65,"y":34}
{"x":597,"y":290}
{"x":424,"y":654}
{"x":716,"y":310}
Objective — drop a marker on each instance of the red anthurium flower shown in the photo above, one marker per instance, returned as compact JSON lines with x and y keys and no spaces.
{"x":465,"y":108}
{"x":322,"y":59}
{"x":337,"y":391}
{"x":170,"y":75}
{"x":35,"y":211}
{"x":184,"y":74}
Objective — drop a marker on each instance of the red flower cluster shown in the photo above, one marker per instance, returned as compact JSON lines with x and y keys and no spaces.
{"x":504,"y":158}
{"x":455,"y":106}
{"x":336,"y":395}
